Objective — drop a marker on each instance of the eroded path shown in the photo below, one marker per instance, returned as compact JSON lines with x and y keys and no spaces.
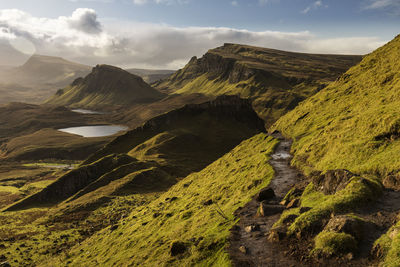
{"x":259,"y":252}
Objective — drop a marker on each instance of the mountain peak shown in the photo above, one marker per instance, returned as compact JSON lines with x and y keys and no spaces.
{"x":106,"y":86}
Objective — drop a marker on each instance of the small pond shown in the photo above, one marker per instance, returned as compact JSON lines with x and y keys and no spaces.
{"x":95,"y":131}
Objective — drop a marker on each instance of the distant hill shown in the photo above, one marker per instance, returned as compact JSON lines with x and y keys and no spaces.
{"x":104,"y":88}
{"x":150,"y":158}
{"x":38,"y":78}
{"x":151,"y":76}
{"x":276,"y":81}
{"x":47,"y":70}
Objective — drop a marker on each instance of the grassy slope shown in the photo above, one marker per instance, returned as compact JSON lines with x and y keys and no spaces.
{"x":141,"y":240}
{"x":354,"y":123}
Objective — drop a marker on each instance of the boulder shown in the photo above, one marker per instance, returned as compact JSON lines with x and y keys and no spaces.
{"x":349,"y":225}
{"x":276,"y":234}
{"x":266,"y":194}
{"x":266,"y":209}
{"x":177,"y":248}
{"x":333,"y":180}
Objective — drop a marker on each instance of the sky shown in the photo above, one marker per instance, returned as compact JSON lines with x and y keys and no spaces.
{"x":167,"y":33}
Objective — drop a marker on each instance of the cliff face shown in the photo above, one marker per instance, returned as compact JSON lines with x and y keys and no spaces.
{"x":259,"y":74}
{"x":106,"y":86}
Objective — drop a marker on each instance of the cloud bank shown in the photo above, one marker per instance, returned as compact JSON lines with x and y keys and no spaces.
{"x":84,"y":38}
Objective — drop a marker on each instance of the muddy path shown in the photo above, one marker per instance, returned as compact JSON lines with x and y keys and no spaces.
{"x":251,"y":248}
{"x":259,"y":252}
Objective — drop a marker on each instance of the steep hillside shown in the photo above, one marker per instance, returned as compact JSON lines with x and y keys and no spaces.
{"x":105,"y":87}
{"x":38,"y":78}
{"x":276,"y":81}
{"x":352,"y":124}
{"x":189,"y":224}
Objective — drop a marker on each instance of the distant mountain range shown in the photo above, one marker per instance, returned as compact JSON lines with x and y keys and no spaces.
{"x":276,"y":81}
{"x":41,"y":76}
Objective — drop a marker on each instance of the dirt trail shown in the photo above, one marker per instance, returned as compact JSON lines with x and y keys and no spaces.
{"x":259,"y":251}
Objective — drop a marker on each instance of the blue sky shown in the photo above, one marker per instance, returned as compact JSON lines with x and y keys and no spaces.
{"x":125,"y":31}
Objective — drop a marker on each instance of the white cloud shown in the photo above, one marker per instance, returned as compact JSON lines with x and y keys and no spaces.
{"x":83,"y":38}
{"x":382,"y":4}
{"x":314,"y":6}
{"x":234,"y":3}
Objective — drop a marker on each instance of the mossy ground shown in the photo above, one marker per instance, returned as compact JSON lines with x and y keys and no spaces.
{"x":182,"y":215}
{"x":358,"y":192}
{"x":334,"y":244}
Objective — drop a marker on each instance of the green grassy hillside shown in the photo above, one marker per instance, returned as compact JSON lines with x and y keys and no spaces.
{"x":355,"y":122}
{"x":197,"y":211}
{"x":352,"y":124}
{"x":106,"y":87}
{"x":276,"y":81}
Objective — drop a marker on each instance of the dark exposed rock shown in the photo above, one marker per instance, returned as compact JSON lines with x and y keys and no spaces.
{"x":349,"y":225}
{"x":304,"y":209}
{"x":266,"y":209}
{"x":276,"y":234}
{"x":293,"y":193}
{"x":293,"y":203}
{"x":266,"y":194}
{"x":290,"y":218}
{"x":333,"y":180}
{"x":177,"y":248}
{"x":173,"y":199}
